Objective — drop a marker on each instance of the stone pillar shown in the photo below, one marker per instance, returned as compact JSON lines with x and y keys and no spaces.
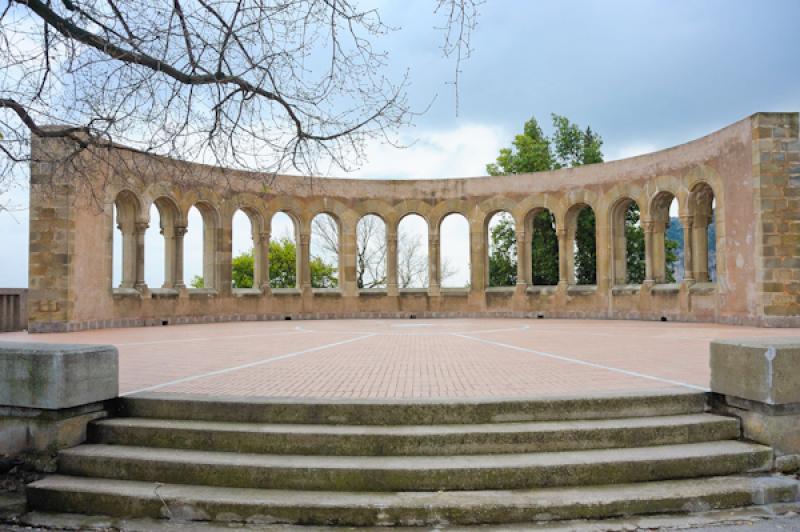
{"x":128,"y":233}
{"x":756,"y":379}
{"x":261,"y":274}
{"x":478,"y":259}
{"x":304,"y":262}
{"x":139,"y":229}
{"x":603,"y":254}
{"x":347,"y":262}
{"x":168,"y":233}
{"x":563,"y":257}
{"x":688,"y":266}
{"x":523,"y":260}
{"x":434,"y":264}
{"x":180,"y":232}
{"x":391,"y":262}
{"x":650,"y":255}
{"x":700,"y":254}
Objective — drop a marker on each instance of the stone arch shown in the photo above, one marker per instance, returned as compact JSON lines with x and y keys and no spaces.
{"x":581,"y":256}
{"x":627,"y":242}
{"x":128,"y":207}
{"x":701,"y":207}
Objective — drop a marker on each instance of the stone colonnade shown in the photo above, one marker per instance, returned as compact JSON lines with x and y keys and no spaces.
{"x":744,"y":177}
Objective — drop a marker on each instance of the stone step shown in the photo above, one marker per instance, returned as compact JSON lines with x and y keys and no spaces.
{"x":411,"y":412}
{"x":418,"y":473}
{"x":417,"y":440}
{"x":121,"y":498}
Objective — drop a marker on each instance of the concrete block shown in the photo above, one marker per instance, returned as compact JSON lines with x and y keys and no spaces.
{"x":57,"y":376}
{"x":757,"y":369}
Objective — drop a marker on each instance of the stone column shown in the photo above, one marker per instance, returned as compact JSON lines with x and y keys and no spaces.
{"x":434,"y":264}
{"x":261,"y":280}
{"x":649,"y":251}
{"x":139,"y":230}
{"x":700,"y":241}
{"x":688,"y":266}
{"x":304,"y":262}
{"x":391,"y":262}
{"x":478,"y":260}
{"x":523,"y":261}
{"x":603,"y":256}
{"x":180,"y":232}
{"x":563,"y":259}
{"x":169,"y":256}
{"x":347,"y":262}
{"x":128,"y":233}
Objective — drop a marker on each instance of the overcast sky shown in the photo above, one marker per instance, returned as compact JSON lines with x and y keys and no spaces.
{"x":644,"y":74}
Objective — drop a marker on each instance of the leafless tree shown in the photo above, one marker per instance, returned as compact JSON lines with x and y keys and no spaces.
{"x":412,"y":258}
{"x":269,"y":85}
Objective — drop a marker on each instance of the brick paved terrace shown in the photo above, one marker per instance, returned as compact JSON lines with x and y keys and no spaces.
{"x":399,"y":359}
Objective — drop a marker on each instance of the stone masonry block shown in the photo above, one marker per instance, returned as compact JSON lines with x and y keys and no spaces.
{"x":57,"y":376}
{"x":758,"y":369}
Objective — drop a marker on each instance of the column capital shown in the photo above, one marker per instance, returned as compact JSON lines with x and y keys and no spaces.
{"x":141,"y":227}
{"x":649,"y":226}
{"x":180,"y":230}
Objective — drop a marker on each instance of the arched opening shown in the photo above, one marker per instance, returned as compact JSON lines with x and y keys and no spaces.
{"x":544,"y":248}
{"x":244,"y":237}
{"x":454,"y":263}
{"x":200,"y":246}
{"x":412,"y":252}
{"x":702,"y":205}
{"x":502,"y":250}
{"x":371,"y":252}
{"x":668,"y":246}
{"x":124,"y":246}
{"x":154,"y":245}
{"x":283,"y":256}
{"x":582,"y":239}
{"x":628,"y":243}
{"x":325,"y":251}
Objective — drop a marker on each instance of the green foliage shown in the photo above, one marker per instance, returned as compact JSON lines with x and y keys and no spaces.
{"x":544,"y":247}
{"x":323,"y":275}
{"x":282,"y":263}
{"x":282,"y":268}
{"x":197,"y":282}
{"x":634,"y":246}
{"x":503,"y":255}
{"x":243,"y":267}
{"x":671,"y":257}
{"x":586,"y":248}
{"x":532,"y":151}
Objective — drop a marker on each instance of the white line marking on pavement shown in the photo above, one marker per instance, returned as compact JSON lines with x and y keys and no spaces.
{"x":248,"y":365}
{"x":218,"y":337}
{"x":583,"y":362}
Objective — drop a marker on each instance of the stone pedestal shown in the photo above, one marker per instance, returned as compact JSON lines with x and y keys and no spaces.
{"x":50,"y":392}
{"x":758,"y":380}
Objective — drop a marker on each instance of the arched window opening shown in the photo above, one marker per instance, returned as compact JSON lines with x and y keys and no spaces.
{"x":243,"y":257}
{"x":200,"y":246}
{"x":502,"y":250}
{"x":582,"y":234}
{"x":154,"y":245}
{"x":628,"y":247}
{"x":544,"y":248}
{"x":454,"y":265}
{"x":116,"y":248}
{"x":125,"y":262}
{"x":371,"y":252}
{"x":283,"y":254}
{"x":412,"y":252}
{"x":704,"y":235}
{"x":325,"y":251}
{"x":668,"y":246}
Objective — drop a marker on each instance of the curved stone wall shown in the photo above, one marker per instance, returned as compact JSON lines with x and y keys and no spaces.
{"x":749,"y":172}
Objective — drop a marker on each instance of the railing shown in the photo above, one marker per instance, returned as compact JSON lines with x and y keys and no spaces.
{"x":13,"y":309}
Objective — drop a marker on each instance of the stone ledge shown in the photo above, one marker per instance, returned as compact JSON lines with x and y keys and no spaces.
{"x":57,"y":376}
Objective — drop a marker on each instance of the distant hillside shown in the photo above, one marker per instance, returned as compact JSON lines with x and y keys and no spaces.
{"x":675,"y":232}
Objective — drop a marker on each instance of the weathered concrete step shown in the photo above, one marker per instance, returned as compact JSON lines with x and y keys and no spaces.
{"x":410,"y":412}
{"x":418,"y":473}
{"x":418,"y":440}
{"x":144,"y":499}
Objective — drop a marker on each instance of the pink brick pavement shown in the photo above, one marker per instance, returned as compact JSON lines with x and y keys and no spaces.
{"x":412,"y":358}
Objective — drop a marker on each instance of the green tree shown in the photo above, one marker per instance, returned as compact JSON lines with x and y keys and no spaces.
{"x":634,"y":246}
{"x":503,"y":254}
{"x":197,"y":282}
{"x":282,"y":263}
{"x":532,"y":151}
{"x":323,"y":275}
{"x":243,"y":268}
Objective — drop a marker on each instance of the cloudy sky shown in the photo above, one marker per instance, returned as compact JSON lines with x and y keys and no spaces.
{"x":644,"y":74}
